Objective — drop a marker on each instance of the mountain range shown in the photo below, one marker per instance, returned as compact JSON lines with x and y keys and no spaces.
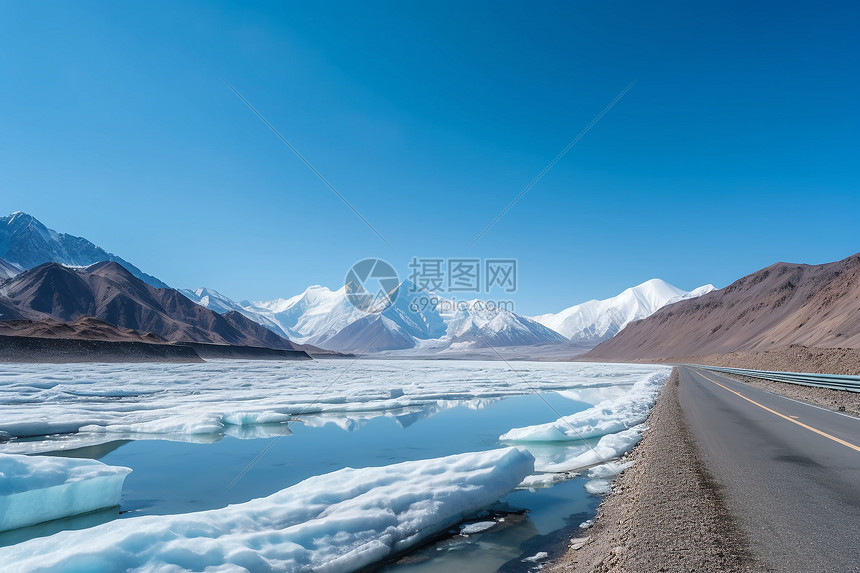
{"x":90,"y":281}
{"x":782,"y":305}
{"x":326,"y":318}
{"x":110,"y":293}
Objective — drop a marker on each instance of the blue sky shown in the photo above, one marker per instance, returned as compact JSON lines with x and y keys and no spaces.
{"x":736,"y":147}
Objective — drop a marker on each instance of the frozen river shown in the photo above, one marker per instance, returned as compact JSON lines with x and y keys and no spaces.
{"x":201,"y":437}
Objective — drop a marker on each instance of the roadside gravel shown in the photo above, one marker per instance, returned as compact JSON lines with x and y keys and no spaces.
{"x":665,"y":513}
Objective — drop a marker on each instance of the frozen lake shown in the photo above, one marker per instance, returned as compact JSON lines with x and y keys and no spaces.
{"x":201,"y":437}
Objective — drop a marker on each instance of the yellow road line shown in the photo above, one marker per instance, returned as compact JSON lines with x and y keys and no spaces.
{"x":783,"y":416}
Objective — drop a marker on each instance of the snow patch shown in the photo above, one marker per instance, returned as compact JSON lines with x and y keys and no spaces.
{"x":539,"y":556}
{"x":602,"y":476}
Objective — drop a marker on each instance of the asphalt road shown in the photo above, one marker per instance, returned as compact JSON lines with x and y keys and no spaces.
{"x":794,"y":489}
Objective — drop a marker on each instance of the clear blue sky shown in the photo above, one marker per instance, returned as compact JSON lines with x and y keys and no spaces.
{"x":736,"y":147}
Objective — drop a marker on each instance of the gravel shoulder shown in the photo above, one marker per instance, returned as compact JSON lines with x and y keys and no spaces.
{"x":665,"y":513}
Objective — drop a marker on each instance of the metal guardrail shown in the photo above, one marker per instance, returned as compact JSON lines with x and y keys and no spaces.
{"x":832,"y":381}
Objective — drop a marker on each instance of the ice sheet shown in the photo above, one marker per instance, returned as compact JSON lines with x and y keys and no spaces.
{"x":331,"y":523}
{"x":88,"y":404}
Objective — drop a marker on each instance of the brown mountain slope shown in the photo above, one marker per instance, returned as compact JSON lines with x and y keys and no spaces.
{"x":781,"y":305}
{"x":110,"y":293}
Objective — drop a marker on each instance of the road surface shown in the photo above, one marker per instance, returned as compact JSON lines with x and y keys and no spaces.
{"x":789,"y":471}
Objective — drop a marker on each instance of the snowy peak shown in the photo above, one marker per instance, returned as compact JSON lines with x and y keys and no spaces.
{"x":483,"y":324}
{"x":27,"y":242}
{"x":592,"y":322}
{"x":652,"y":292}
{"x":696,"y":292}
{"x":211,"y":299}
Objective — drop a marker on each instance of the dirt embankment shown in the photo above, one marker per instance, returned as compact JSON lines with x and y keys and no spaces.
{"x":666,"y":513}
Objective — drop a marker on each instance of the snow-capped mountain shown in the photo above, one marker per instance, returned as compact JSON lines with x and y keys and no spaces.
{"x":27,"y":243}
{"x":592,"y":322}
{"x":326,"y":318}
{"x":211,"y":299}
{"x":214,"y":300}
{"x":480,"y":325}
{"x":695,"y":293}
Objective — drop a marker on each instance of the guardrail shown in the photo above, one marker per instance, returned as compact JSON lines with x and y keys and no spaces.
{"x":832,"y":381}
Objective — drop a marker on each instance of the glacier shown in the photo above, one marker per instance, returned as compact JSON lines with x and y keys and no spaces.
{"x":34,"y":489}
{"x":337,"y":522}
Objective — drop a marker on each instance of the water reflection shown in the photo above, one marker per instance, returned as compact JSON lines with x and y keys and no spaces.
{"x":172,"y":477}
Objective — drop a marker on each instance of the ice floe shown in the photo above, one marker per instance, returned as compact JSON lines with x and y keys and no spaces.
{"x":34,"y":489}
{"x":607,"y":417}
{"x":607,"y":448}
{"x":476,"y":527}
